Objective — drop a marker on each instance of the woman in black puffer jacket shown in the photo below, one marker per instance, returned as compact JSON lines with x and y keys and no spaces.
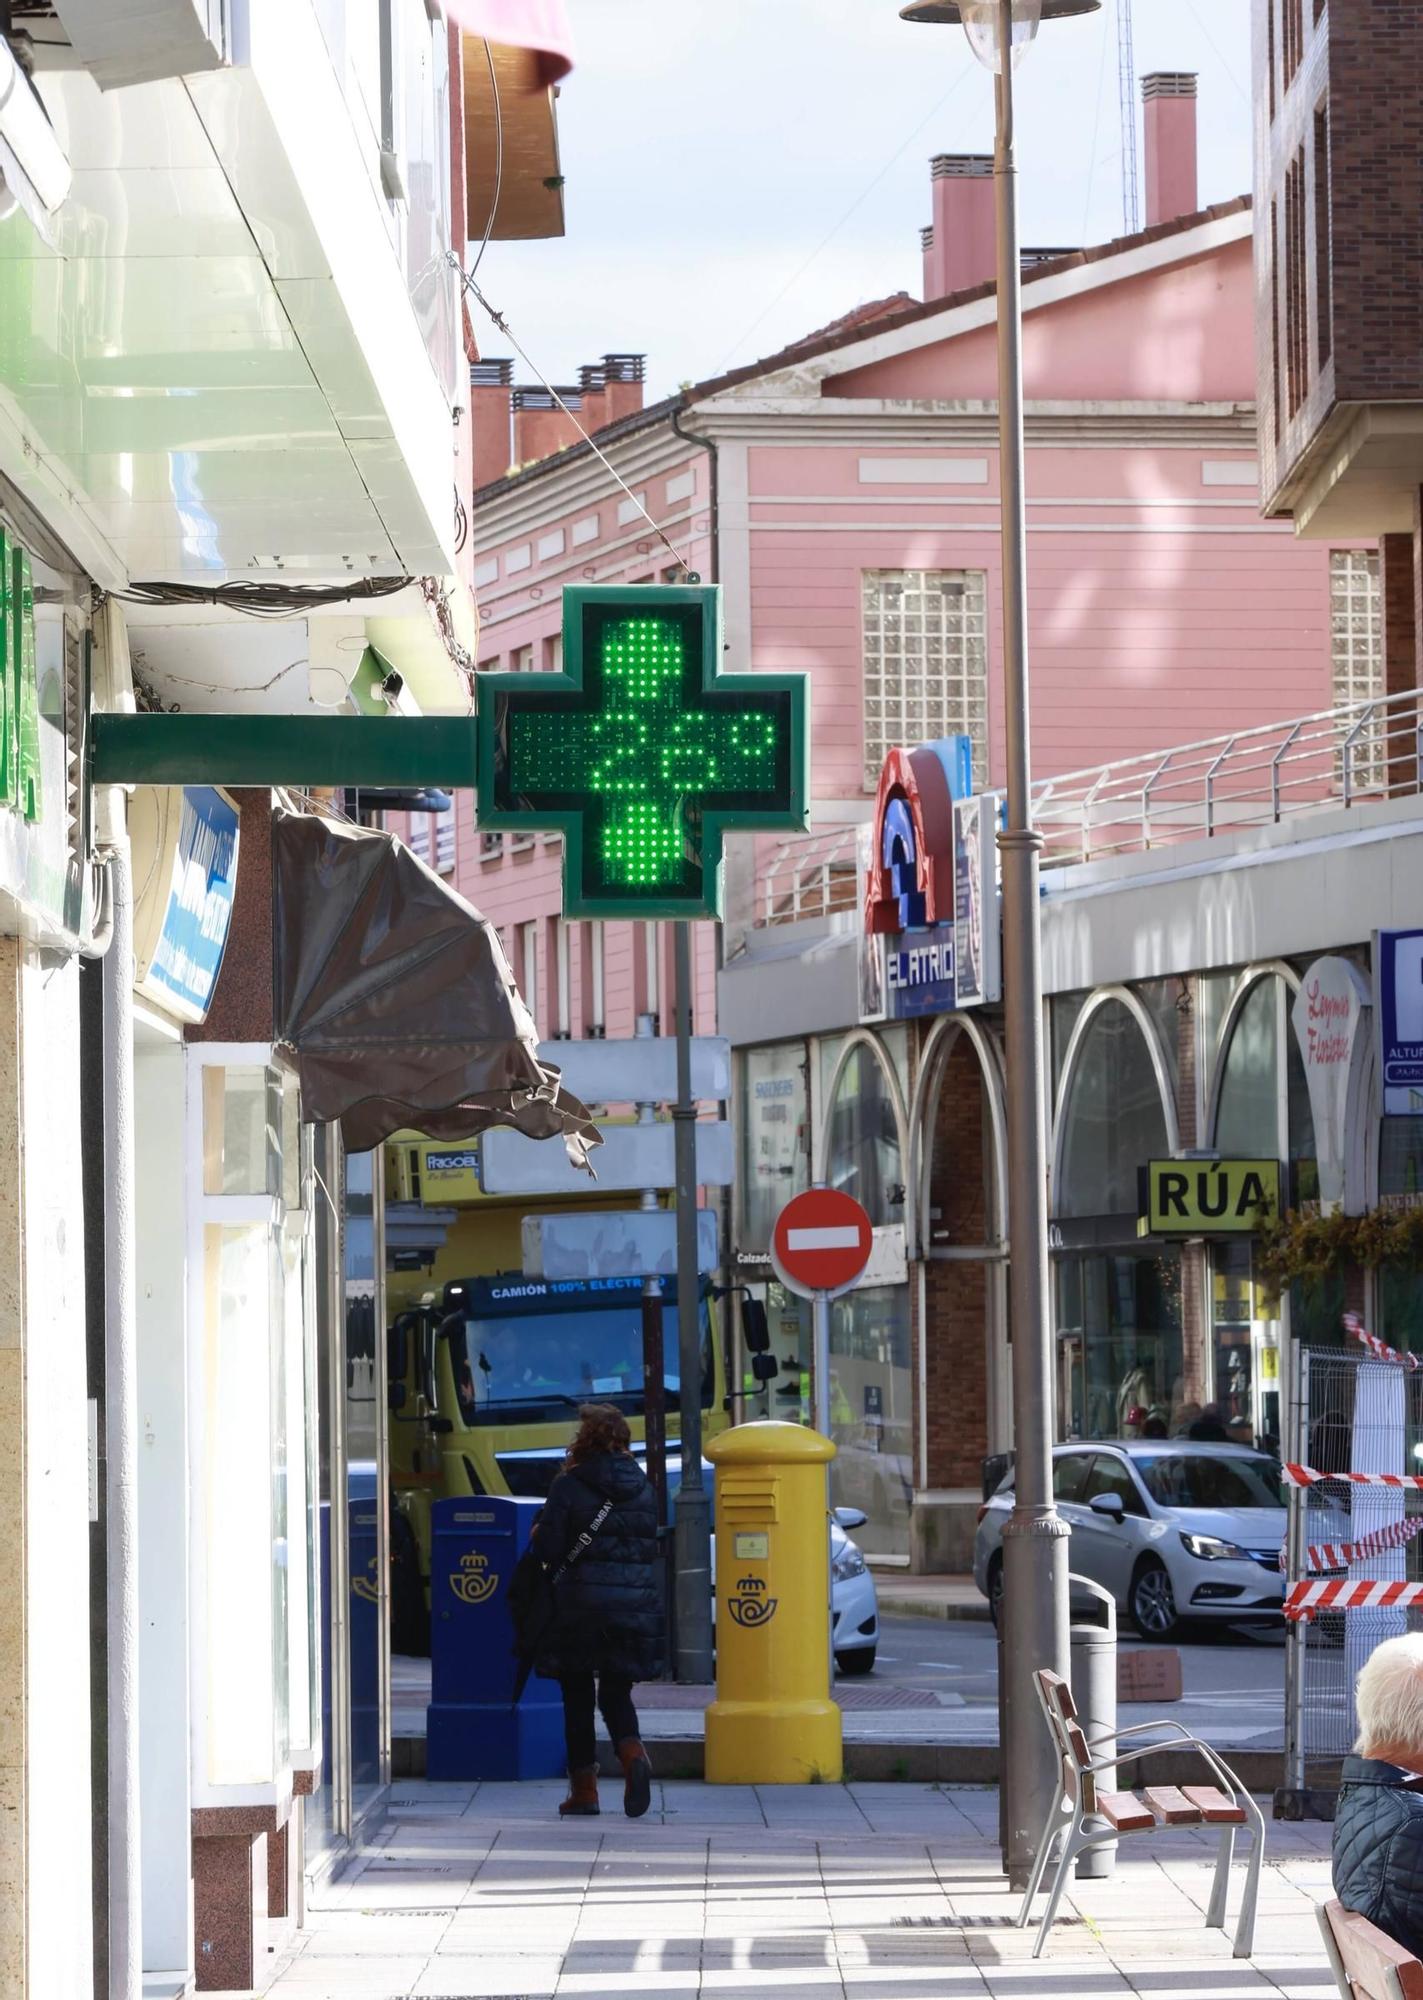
{"x":608,"y":1629}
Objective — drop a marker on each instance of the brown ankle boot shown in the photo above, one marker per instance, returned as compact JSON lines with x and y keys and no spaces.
{"x":582,"y":1800}
{"x":637,"y":1776}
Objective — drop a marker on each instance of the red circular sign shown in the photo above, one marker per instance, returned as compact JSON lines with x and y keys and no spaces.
{"x":821,"y":1242}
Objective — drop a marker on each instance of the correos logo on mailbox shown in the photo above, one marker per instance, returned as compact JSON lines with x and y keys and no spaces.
{"x":474,"y":1581}
{"x":750,"y":1605}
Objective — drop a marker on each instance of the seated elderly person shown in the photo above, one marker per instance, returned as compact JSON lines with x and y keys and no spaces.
{"x":1378,"y":1827}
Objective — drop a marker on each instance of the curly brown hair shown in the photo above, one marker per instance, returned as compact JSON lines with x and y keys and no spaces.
{"x":602,"y":1432}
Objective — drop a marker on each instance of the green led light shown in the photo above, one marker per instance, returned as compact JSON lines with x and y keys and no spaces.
{"x":640,"y":752}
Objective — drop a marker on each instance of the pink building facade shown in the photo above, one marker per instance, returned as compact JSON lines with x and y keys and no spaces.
{"x":845,"y":496}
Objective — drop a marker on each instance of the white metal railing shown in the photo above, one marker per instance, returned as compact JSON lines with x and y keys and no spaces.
{"x":1252,"y":777}
{"x":811,"y":875}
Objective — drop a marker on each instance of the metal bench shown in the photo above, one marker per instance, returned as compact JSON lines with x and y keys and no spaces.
{"x":1367,"y":1963}
{"x":1083,"y":1815}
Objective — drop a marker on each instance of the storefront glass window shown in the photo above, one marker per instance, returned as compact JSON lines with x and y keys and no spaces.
{"x":863,"y":1144}
{"x":365,"y":1485}
{"x":1304,"y":1163}
{"x":1161,"y":999}
{"x":1114,"y":1119}
{"x":775,"y":1138}
{"x":1064,"y":1009}
{"x":1401,"y":1182}
{"x":871,"y":1413}
{"x":1119,"y":1338}
{"x":1213,"y":991}
{"x":1248,"y":1117}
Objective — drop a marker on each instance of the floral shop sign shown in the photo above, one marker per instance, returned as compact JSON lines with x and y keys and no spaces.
{"x":1332,"y":1016}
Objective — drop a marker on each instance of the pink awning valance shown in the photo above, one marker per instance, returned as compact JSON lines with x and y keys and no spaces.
{"x":520,"y":24}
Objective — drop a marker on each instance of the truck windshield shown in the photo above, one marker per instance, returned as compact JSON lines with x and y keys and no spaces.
{"x":533,"y":1367}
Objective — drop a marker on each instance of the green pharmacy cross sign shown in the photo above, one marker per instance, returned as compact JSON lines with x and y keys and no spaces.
{"x":641,"y":753}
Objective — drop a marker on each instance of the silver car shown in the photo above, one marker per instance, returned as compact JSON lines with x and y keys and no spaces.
{"x":1174,"y":1529}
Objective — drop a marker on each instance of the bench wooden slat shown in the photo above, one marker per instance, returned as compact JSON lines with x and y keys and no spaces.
{"x":1124,"y":1811}
{"x":1371,"y":1959}
{"x":1171,"y":1806}
{"x":1215,"y":1807}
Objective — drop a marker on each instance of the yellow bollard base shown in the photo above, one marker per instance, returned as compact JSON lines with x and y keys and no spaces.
{"x":774,"y":1743}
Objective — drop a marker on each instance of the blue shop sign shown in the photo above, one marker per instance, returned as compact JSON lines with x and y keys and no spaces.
{"x":188,"y":955}
{"x":1398,"y":1011}
{"x":919,"y":973}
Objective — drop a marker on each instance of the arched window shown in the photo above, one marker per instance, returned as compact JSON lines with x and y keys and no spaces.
{"x":1262,"y":1102}
{"x":1113,"y":1120}
{"x":864,"y":1152}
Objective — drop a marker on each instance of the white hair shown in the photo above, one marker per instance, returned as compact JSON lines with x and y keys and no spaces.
{"x":1389,"y":1699}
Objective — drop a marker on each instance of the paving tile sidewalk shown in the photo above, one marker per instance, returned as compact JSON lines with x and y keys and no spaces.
{"x":856,"y":1892}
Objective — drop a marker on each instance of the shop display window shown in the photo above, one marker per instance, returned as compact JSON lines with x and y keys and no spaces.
{"x":871,"y":1413}
{"x":774,"y":1138}
{"x":1120,"y":1346}
{"x":863,"y":1145}
{"x":1114,"y":1119}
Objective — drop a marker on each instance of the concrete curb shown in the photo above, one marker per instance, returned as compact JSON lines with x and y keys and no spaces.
{"x":924,"y":1764}
{"x":974,"y":1611}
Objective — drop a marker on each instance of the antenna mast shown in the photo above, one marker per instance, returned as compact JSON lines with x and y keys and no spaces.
{"x":1126,"y":84}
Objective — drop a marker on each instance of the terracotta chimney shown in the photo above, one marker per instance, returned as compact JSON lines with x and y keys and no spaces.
{"x":540,"y":426}
{"x":593,"y":385}
{"x":489,"y":393}
{"x":962,"y":251}
{"x":1170,"y":117}
{"x":622,"y":377}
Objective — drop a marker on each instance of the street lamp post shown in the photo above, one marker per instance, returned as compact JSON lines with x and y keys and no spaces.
{"x":1035,"y":1537}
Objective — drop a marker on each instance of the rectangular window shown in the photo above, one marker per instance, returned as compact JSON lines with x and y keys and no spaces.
{"x":1356,"y":650}
{"x":1296,"y":265}
{"x":445,"y":847}
{"x":1277,"y":319}
{"x":591,"y":972}
{"x":529,"y":964}
{"x":1323,"y":263}
{"x":1293,"y":38}
{"x":553,"y":653}
{"x":522,"y":659}
{"x":420,"y":837}
{"x":925,"y":661}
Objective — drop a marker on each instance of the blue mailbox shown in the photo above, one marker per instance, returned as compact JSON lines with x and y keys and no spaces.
{"x":473,"y":1728}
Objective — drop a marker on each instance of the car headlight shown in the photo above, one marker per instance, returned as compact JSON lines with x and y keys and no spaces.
{"x":848,"y":1563}
{"x":1211,"y":1549}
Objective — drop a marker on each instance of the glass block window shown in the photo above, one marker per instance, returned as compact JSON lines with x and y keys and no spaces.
{"x":926,"y":662}
{"x":1356,"y":647}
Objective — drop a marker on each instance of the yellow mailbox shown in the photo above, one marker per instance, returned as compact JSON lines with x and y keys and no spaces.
{"x":773,"y":1722}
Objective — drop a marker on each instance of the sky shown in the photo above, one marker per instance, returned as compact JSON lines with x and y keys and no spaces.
{"x":739,"y":172}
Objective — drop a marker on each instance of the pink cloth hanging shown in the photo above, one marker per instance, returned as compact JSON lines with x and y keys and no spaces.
{"x":520,"y":24}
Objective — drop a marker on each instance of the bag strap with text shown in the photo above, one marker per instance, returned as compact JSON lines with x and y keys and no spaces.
{"x":583,"y":1543}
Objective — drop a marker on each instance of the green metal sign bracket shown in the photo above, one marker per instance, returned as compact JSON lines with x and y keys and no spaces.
{"x":304,"y":750}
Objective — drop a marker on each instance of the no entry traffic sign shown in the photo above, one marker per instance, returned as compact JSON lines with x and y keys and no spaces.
{"x":821,"y":1243}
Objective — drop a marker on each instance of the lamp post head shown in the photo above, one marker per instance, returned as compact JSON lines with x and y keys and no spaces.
{"x":981,"y":21}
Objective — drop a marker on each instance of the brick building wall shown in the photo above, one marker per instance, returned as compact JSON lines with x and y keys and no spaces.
{"x":1338,"y":215}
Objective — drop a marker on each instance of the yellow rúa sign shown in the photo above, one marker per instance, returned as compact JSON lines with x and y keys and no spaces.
{"x":1210,"y":1197}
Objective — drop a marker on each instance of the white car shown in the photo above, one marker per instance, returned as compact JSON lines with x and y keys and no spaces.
{"x":1174,"y":1529}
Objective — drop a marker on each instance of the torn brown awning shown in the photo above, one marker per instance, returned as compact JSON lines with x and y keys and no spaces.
{"x":396,"y":998}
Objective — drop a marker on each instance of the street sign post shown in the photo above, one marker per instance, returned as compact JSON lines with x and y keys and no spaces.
{"x":820,"y":1248}
{"x":642,"y":753}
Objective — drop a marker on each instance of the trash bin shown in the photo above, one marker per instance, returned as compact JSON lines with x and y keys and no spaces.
{"x":1093,"y":1634}
{"x":773,"y":1722}
{"x":473,"y":1729}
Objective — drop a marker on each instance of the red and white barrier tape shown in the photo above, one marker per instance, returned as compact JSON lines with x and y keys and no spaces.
{"x":1308,"y":1475}
{"x":1307,"y":1600}
{"x":1338,"y":1555}
{"x":1380,"y":1350}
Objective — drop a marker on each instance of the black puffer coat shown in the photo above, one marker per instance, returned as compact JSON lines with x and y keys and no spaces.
{"x":1378,"y":1849}
{"x":610,"y":1602}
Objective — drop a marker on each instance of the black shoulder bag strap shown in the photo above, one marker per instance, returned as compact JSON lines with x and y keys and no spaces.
{"x":582,"y":1545}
